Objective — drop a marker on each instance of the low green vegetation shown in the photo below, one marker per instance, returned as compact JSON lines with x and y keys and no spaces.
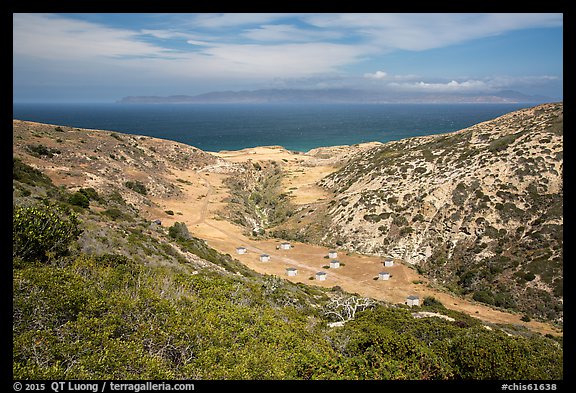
{"x":40,"y":151}
{"x":106,"y":317}
{"x":24,"y":173}
{"x":502,"y":143}
{"x":100,"y":297}
{"x":137,"y":186}
{"x":43,"y":232}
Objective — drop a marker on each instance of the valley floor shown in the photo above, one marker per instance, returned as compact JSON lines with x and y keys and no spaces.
{"x":204,"y":195}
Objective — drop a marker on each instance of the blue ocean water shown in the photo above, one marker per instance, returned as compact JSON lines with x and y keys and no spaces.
{"x":296,"y":127}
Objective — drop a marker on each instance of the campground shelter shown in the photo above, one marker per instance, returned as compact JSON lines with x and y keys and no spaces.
{"x":413,"y":300}
{"x":291,"y":271}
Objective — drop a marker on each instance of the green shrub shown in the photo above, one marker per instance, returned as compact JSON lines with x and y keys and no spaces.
{"x":431,"y":301}
{"x":90,"y":193}
{"x":116,"y":214}
{"x":406,"y":231}
{"x":24,"y":173}
{"x":559,"y":287}
{"x":137,"y":186}
{"x":400,"y":221}
{"x":459,"y":194}
{"x":116,"y":197}
{"x":42,"y":232}
{"x":372,"y":217}
{"x":179,"y":231}
{"x":484,"y":297}
{"x":418,"y":217}
{"x":428,"y":155}
{"x":41,"y":150}
{"x":79,"y":199}
{"x":502,"y":143}
{"x":479,"y":354}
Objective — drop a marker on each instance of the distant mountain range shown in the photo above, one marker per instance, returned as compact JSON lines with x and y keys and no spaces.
{"x":271,"y":96}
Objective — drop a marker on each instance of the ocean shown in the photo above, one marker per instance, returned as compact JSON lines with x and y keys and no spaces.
{"x":297,"y":127}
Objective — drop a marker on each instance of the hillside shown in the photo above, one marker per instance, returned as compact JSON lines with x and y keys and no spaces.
{"x":122,"y":269}
{"x":479,"y":211}
{"x":107,"y":159}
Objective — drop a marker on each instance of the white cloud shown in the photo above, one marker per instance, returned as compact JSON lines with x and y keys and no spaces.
{"x":56,"y":37}
{"x":486,"y":85}
{"x":288,"y":33}
{"x":452,"y":86}
{"x":62,"y":50}
{"x":432,"y":30}
{"x":235,"y":19}
{"x":168,"y":34}
{"x":505,"y":82}
{"x":376,"y":75}
{"x":68,"y":43}
{"x":200,"y":43}
{"x":59,"y":37}
{"x":285,"y":59}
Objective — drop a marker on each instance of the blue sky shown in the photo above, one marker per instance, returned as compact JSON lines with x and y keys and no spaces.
{"x":104,"y":57}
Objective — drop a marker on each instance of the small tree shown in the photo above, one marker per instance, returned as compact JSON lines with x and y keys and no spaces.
{"x":43,"y":231}
{"x":344,"y":307}
{"x":179,"y":231}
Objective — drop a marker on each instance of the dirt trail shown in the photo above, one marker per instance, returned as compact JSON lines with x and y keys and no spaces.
{"x":205,"y":195}
{"x":205,"y":201}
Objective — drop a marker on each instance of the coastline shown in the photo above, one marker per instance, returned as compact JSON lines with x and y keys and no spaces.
{"x":298,"y":128}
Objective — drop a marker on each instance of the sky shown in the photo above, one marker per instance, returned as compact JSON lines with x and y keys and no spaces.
{"x":93,"y":57}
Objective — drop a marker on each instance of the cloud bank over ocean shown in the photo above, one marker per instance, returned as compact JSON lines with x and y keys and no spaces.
{"x":113,"y":55}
